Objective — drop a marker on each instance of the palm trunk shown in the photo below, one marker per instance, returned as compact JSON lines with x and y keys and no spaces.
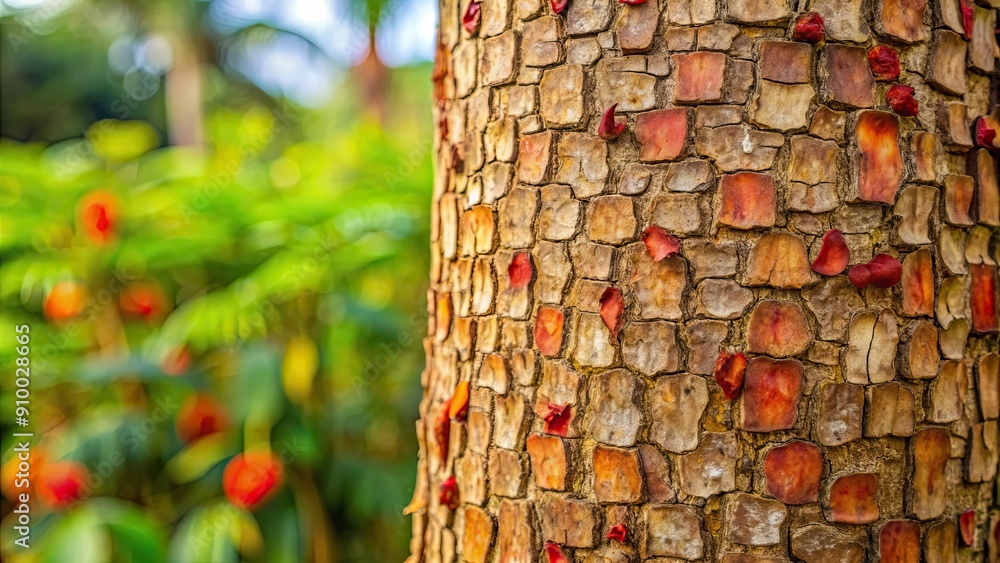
{"x":742,"y":400}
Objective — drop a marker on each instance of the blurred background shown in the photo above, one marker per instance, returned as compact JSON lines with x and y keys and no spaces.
{"x":213,"y":233}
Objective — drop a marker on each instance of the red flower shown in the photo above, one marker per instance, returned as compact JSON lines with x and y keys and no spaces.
{"x":901,"y":100}
{"x":558,"y":418}
{"x":199,"y":416}
{"x":449,"y":493}
{"x":609,"y":129}
{"x":833,"y":256}
{"x":471,"y":18}
{"x":730,"y":369}
{"x":883,"y":271}
{"x":809,"y":27}
{"x":617,"y":533}
{"x":251,"y":479}
{"x":659,"y":244}
{"x":612,"y":306}
{"x":61,"y":483}
{"x":554,"y":552}
{"x":884,"y":62}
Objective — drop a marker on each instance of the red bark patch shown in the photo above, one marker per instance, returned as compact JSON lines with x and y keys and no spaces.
{"x":558,"y":418}
{"x":618,"y":532}
{"x":609,"y":128}
{"x":967,"y":527}
{"x":472,"y":17}
{"x":661,"y":133}
{"x":793,"y":472}
{"x":632,"y":2}
{"x":252,"y":478}
{"x":984,"y":297}
{"x":899,"y":541}
{"x":834,"y":255}
{"x":520,"y":271}
{"x":901,"y":100}
{"x":852,"y":499}
{"x":747,"y":200}
{"x":809,"y":27}
{"x":61,"y":483}
{"x":559,"y":6}
{"x":612,"y":306}
{"x":554,"y":552}
{"x":881,"y":166}
{"x":448,"y":494}
{"x":730,"y":369}
{"x":884,"y":62}
{"x":442,"y":431}
{"x":771,"y":394}
{"x":882,"y":272}
{"x":778,"y":328}
{"x":700,"y":76}
{"x":548,"y":330}
{"x":659,"y":244}
{"x":198,"y":416}
{"x":458,"y":406}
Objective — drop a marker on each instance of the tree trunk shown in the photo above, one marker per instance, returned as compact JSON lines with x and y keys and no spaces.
{"x":736,"y":401}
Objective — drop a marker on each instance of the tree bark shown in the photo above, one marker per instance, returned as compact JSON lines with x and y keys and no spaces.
{"x":743,"y":399}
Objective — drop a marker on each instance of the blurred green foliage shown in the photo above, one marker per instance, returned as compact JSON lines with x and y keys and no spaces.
{"x":290,"y":251}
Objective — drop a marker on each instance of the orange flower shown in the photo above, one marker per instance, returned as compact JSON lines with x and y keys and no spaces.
{"x":145,"y":300}
{"x":65,"y":300}
{"x":98,"y":215}
{"x":252,"y":478}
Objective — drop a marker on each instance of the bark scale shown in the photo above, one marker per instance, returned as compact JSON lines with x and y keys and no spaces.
{"x":863,"y":423}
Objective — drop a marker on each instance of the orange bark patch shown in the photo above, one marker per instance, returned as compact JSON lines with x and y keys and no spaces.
{"x":747,"y":200}
{"x":699,"y":76}
{"x":793,"y":472}
{"x":880,"y":168}
{"x":779,"y":260}
{"x":958,"y":194}
{"x":549,"y":330}
{"x":661,"y":133}
{"x":778,"y":328}
{"x":918,"y":283}
{"x":458,"y":407}
{"x":548,"y":461}
{"x":771,"y":394}
{"x":899,"y":541}
{"x":931,"y":449}
{"x":478,"y":535}
{"x":617,"y":477}
{"x":852,"y":499}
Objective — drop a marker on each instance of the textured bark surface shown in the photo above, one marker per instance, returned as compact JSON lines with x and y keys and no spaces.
{"x":862,"y":423}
